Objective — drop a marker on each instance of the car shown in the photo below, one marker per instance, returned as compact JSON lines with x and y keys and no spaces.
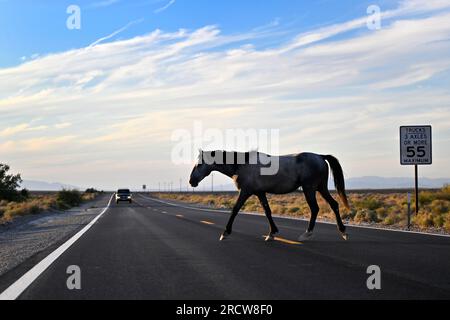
{"x":123,"y":195}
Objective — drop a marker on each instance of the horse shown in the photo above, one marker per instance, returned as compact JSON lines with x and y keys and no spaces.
{"x":306,"y":170}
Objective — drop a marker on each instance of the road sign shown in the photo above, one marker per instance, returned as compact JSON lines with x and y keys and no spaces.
{"x":415,"y":145}
{"x":144,"y":187}
{"x":415,"y":150}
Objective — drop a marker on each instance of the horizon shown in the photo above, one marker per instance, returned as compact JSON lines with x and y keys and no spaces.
{"x":98,"y":106}
{"x":362,"y":183}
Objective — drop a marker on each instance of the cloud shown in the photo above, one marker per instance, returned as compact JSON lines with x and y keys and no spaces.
{"x":42,"y":144}
{"x":344,"y":95}
{"x":20,"y":128}
{"x":103,"y":4}
{"x":63,"y":125}
{"x":165,"y":7}
{"x":115,"y":33}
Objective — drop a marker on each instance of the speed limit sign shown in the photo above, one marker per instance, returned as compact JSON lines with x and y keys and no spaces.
{"x":415,"y":145}
{"x":415,"y":150}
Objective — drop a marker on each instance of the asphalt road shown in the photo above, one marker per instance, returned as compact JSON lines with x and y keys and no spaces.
{"x":152,"y":250}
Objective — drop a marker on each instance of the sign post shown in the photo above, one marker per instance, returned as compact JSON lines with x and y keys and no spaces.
{"x":144,"y":187}
{"x":416,"y":150}
{"x":409,"y":210}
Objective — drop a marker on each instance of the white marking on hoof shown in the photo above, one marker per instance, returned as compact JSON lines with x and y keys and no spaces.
{"x":306,"y":236}
{"x":223,"y":236}
{"x":269,"y":238}
{"x":344,"y":236}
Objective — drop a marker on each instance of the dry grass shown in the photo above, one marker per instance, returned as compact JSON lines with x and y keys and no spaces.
{"x":389,"y":209}
{"x":34,"y":205}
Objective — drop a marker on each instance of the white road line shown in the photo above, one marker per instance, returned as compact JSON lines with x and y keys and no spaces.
{"x":299,"y":219}
{"x":18,"y":287}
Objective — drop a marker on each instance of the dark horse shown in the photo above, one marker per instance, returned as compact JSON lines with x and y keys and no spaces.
{"x":307,"y":170}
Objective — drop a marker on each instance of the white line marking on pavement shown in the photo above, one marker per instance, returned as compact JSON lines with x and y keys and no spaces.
{"x":18,"y":287}
{"x":298,"y":219}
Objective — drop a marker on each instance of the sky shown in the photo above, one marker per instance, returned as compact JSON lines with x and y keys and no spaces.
{"x":98,"y":105}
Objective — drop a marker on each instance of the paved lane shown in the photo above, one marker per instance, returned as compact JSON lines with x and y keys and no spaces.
{"x":152,"y":250}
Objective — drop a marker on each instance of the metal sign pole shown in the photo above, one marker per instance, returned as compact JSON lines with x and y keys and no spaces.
{"x":417,"y":187}
{"x":409,"y":210}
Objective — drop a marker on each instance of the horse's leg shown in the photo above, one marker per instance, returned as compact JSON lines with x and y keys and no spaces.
{"x":310,"y":195}
{"x":243,"y":196}
{"x":335,"y":207}
{"x":273,"y":228}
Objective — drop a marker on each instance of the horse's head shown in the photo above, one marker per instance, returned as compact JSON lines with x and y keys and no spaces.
{"x":201,"y":170}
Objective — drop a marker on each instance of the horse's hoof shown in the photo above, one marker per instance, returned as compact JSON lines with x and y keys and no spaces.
{"x":224,"y":236}
{"x":306,"y":236}
{"x":269,"y":238}
{"x":344,"y":236}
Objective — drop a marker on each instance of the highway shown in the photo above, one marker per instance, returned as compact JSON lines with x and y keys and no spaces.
{"x":154,"y":250}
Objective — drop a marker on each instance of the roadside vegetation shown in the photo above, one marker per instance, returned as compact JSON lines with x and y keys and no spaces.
{"x":385,"y":209}
{"x":15,"y":203}
{"x":39,"y":202}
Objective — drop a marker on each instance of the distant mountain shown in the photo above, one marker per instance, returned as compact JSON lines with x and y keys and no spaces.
{"x":393,"y":183}
{"x":45,"y":186}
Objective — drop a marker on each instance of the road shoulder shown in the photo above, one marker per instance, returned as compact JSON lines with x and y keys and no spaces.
{"x":24,"y":243}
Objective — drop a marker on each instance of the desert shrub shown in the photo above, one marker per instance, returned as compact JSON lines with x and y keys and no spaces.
{"x":439,"y":221}
{"x":227,"y":204}
{"x":294,"y":209}
{"x":366,"y":215}
{"x":370,"y":203}
{"x":424,"y":220}
{"x":278,"y":209}
{"x":348,"y":214}
{"x":426,"y":197}
{"x":389,"y":220}
{"x":16,"y":209}
{"x":381,"y":213}
{"x":444,"y":194}
{"x":447,"y":223}
{"x":439,"y":207}
{"x":24,"y":194}
{"x":91,"y":190}
{"x":68,"y":198}
{"x":88,"y":196}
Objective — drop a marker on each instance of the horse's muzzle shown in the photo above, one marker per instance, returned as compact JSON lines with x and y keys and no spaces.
{"x":194,"y":184}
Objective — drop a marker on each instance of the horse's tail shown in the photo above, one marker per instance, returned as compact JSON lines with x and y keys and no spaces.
{"x":338,"y":176}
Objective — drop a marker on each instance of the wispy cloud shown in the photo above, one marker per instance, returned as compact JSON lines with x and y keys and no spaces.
{"x":115,"y":33}
{"x":20,"y":128}
{"x":165,"y":7}
{"x":103,"y":4}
